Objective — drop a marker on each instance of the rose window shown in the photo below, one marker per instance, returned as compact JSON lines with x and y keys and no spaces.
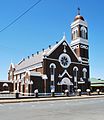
{"x":64,"y":60}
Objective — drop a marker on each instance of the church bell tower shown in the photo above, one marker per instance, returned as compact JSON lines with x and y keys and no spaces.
{"x":79,"y":38}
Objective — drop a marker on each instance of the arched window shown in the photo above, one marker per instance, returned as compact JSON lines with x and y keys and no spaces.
{"x":75,"y":71}
{"x":83,"y":32}
{"x":52,"y":68}
{"x":52,"y":75}
{"x":84,"y":73}
{"x":75,"y":33}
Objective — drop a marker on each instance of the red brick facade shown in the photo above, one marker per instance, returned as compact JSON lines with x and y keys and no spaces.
{"x":62,"y":66}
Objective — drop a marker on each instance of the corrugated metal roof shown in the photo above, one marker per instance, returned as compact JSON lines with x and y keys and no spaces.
{"x":94,"y":80}
{"x":97,"y":85}
{"x":36,"y":58}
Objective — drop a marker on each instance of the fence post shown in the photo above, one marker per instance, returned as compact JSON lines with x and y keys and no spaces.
{"x":98,"y":91}
{"x":17,"y":94}
{"x":79,"y":92}
{"x":67,"y":93}
{"x":88,"y":91}
{"x":36,"y":93}
{"x":52,"y":93}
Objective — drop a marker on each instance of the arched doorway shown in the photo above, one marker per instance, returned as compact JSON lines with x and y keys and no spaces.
{"x":66,"y":84}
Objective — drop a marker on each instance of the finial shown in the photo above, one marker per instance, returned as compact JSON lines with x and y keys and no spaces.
{"x":78,"y":11}
{"x":64,"y":36}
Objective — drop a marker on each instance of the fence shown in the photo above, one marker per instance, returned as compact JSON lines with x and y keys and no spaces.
{"x":13,"y":95}
{"x":6,"y":95}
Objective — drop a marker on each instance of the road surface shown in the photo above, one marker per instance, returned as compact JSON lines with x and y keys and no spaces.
{"x":83,"y":109}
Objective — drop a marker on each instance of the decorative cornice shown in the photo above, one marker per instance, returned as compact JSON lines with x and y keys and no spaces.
{"x":79,"y":40}
{"x":77,"y":22}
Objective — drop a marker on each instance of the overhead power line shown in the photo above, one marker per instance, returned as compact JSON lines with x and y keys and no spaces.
{"x":20,"y":16}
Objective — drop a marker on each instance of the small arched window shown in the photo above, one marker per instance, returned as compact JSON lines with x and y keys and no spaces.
{"x":52,"y":75}
{"x":75,"y":70}
{"x":75,"y":74}
{"x":75,"y":33}
{"x":83,"y":32}
{"x":84,"y":73}
{"x":52,"y":68}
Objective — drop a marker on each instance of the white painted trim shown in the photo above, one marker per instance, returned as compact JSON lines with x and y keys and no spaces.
{"x":85,"y":64}
{"x":83,"y":28}
{"x":65,"y":72}
{"x":84,"y":46}
{"x":73,"y":52}
{"x":84,"y":70}
{"x":77,"y":22}
{"x":71,"y":62}
{"x":52,"y":59}
{"x":28,"y":68}
{"x":84,"y":58}
{"x":52,"y":64}
{"x":44,"y":76}
{"x":52,"y":77}
{"x":79,"y":40}
{"x":5,"y":85}
{"x":75,"y":67}
{"x":75,"y":29}
{"x":66,"y":81}
{"x":36,"y":74}
{"x":85,"y":61}
{"x":55,"y":46}
{"x":81,"y":82}
{"x":68,"y":59}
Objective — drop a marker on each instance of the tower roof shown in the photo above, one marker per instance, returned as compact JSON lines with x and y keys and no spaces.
{"x":78,"y":16}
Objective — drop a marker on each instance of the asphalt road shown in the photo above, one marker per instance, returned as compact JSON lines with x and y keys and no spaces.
{"x":84,"y":109}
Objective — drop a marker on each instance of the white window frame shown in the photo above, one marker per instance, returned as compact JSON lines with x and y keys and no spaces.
{"x":83,"y":32}
{"x":84,"y":73}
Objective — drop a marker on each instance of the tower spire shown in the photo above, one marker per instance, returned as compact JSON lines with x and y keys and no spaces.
{"x":78,"y":10}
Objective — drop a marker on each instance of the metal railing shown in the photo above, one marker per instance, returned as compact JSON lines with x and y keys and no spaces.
{"x":13,"y":95}
{"x":6,"y":94}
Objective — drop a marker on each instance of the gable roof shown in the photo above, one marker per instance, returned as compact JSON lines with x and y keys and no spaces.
{"x":56,"y":46}
{"x":37,"y":59}
{"x":11,"y":66}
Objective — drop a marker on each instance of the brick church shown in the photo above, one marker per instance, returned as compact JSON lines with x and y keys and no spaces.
{"x":59,"y":67}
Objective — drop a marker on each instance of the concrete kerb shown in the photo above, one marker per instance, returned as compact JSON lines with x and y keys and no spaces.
{"x":49,"y":99}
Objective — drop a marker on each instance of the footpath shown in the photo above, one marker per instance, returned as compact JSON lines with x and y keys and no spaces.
{"x":3,"y":101}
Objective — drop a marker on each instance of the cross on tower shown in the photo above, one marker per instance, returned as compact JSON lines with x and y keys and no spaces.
{"x":78,"y":11}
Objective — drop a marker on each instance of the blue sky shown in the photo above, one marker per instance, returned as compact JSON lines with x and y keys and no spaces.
{"x":44,"y":25}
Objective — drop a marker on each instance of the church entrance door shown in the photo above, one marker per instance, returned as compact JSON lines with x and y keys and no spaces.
{"x":66,"y":84}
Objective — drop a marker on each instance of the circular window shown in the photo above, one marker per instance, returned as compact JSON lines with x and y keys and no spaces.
{"x":64,"y":60}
